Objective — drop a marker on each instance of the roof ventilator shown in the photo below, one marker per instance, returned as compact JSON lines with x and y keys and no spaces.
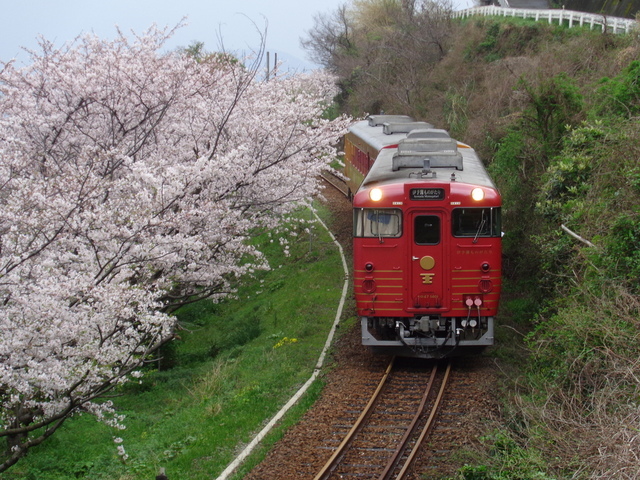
{"x":427,"y":152}
{"x":428,"y":133}
{"x":377,"y":120}
{"x":389,"y":128}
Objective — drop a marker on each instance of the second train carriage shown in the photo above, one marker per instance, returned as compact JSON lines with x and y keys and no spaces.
{"x":362,"y":144}
{"x":427,"y":240}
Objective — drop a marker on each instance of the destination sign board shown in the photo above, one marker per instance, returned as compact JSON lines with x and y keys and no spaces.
{"x":426,"y":194}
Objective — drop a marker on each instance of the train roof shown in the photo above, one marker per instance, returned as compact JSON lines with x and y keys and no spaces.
{"x":423,"y":153}
{"x":379,"y":132}
{"x":473,"y":172}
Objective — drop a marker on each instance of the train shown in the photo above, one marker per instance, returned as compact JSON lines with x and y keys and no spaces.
{"x":427,"y":239}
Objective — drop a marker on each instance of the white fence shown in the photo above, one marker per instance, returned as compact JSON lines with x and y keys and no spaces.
{"x":574,"y":19}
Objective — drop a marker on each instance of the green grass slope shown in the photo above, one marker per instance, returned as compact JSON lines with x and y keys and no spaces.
{"x":233,"y":367}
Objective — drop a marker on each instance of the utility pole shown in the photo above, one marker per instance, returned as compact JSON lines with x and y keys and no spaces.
{"x":275,"y":65}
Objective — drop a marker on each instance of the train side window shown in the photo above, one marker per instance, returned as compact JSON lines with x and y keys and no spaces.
{"x":427,"y":230}
{"x":377,"y":222}
{"x":476,"y":222}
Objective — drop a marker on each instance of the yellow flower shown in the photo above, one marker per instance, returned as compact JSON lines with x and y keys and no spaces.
{"x":285,"y":341}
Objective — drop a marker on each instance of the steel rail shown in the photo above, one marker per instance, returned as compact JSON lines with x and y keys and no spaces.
{"x":335,"y":181}
{"x":427,"y":426}
{"x":344,"y":445}
{"x":395,"y":458}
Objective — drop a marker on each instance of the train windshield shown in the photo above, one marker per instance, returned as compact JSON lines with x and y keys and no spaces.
{"x":476,"y":222}
{"x":377,"y":222}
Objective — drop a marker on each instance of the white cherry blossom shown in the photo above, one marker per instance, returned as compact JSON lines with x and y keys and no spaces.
{"x":129,"y":183}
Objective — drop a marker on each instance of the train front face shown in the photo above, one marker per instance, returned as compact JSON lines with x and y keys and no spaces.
{"x":427,"y":267}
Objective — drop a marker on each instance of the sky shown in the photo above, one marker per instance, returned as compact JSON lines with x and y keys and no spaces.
{"x":234,"y":24}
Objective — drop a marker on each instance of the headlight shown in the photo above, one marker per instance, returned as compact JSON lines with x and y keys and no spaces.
{"x":477,"y":194}
{"x":375,"y":194}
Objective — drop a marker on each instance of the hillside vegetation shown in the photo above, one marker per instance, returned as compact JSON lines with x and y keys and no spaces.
{"x":554,"y":113}
{"x":617,"y":8}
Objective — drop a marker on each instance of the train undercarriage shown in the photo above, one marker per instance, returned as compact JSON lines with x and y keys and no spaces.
{"x":427,"y":336}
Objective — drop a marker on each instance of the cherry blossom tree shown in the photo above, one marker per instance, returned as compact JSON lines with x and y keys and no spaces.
{"x":130,"y":180}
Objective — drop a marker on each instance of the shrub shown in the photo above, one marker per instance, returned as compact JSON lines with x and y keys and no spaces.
{"x":510,"y":461}
{"x":623,"y":248}
{"x":554,"y":104}
{"x":621,"y":95}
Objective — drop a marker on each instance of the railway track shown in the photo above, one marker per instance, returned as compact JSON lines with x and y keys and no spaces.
{"x":466,"y":414}
{"x":385,"y":438}
{"x":336,"y":182}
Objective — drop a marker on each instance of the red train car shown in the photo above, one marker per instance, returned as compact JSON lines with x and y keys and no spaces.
{"x":426,"y":243}
{"x":363,"y":144}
